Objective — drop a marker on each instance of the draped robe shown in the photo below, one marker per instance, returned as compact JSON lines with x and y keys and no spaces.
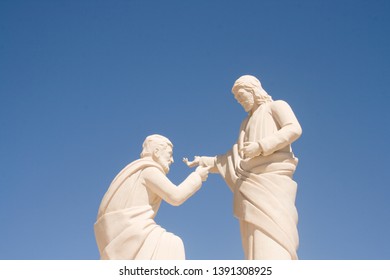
{"x":263,"y":188}
{"x":125,"y":226}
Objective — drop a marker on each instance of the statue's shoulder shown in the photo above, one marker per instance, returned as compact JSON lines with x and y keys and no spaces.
{"x":279,"y":105}
{"x":152,"y":168}
{"x":141,"y":165}
{"x":152,"y":171}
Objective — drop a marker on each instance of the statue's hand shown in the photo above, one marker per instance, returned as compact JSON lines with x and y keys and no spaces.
{"x":251,"y":149}
{"x":203,"y":172}
{"x":193,"y":163}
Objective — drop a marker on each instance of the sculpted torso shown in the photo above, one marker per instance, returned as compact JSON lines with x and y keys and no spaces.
{"x":273,"y":125}
{"x":140,"y":194}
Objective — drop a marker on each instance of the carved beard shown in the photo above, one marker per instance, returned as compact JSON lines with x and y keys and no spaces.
{"x":165,"y":166}
{"x":247,"y":107}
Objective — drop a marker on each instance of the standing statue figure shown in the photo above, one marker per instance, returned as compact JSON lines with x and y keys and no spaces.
{"x":125,"y":228}
{"x":259,"y":169}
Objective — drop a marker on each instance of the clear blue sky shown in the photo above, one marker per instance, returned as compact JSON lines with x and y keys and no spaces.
{"x":82,"y":83}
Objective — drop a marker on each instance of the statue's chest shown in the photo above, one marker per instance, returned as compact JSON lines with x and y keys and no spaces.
{"x":260,"y":125}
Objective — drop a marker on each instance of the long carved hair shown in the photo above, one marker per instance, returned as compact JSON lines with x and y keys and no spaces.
{"x":253,"y":85}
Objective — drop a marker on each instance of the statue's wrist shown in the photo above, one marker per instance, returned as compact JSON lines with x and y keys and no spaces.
{"x":207,"y":161}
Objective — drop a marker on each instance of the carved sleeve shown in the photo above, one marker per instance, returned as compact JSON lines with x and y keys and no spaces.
{"x":157,"y":182}
{"x":289,"y":129}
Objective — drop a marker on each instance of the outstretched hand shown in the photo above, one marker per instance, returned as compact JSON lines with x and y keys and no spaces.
{"x":193,"y":163}
{"x":203,"y":172}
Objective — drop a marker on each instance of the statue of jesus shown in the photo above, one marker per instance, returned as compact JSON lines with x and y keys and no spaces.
{"x":259,"y":170}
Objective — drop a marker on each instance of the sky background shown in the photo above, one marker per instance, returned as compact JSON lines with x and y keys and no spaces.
{"x":82,"y":83}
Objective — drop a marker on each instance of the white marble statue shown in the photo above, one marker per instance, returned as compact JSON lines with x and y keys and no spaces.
{"x":125,"y":228}
{"x":259,"y":169}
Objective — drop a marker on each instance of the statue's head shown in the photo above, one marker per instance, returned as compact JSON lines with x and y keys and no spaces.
{"x":248,"y":92}
{"x":159,"y":149}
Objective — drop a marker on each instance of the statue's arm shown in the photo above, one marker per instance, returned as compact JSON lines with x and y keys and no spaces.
{"x":290,"y":129}
{"x":158,"y":183}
